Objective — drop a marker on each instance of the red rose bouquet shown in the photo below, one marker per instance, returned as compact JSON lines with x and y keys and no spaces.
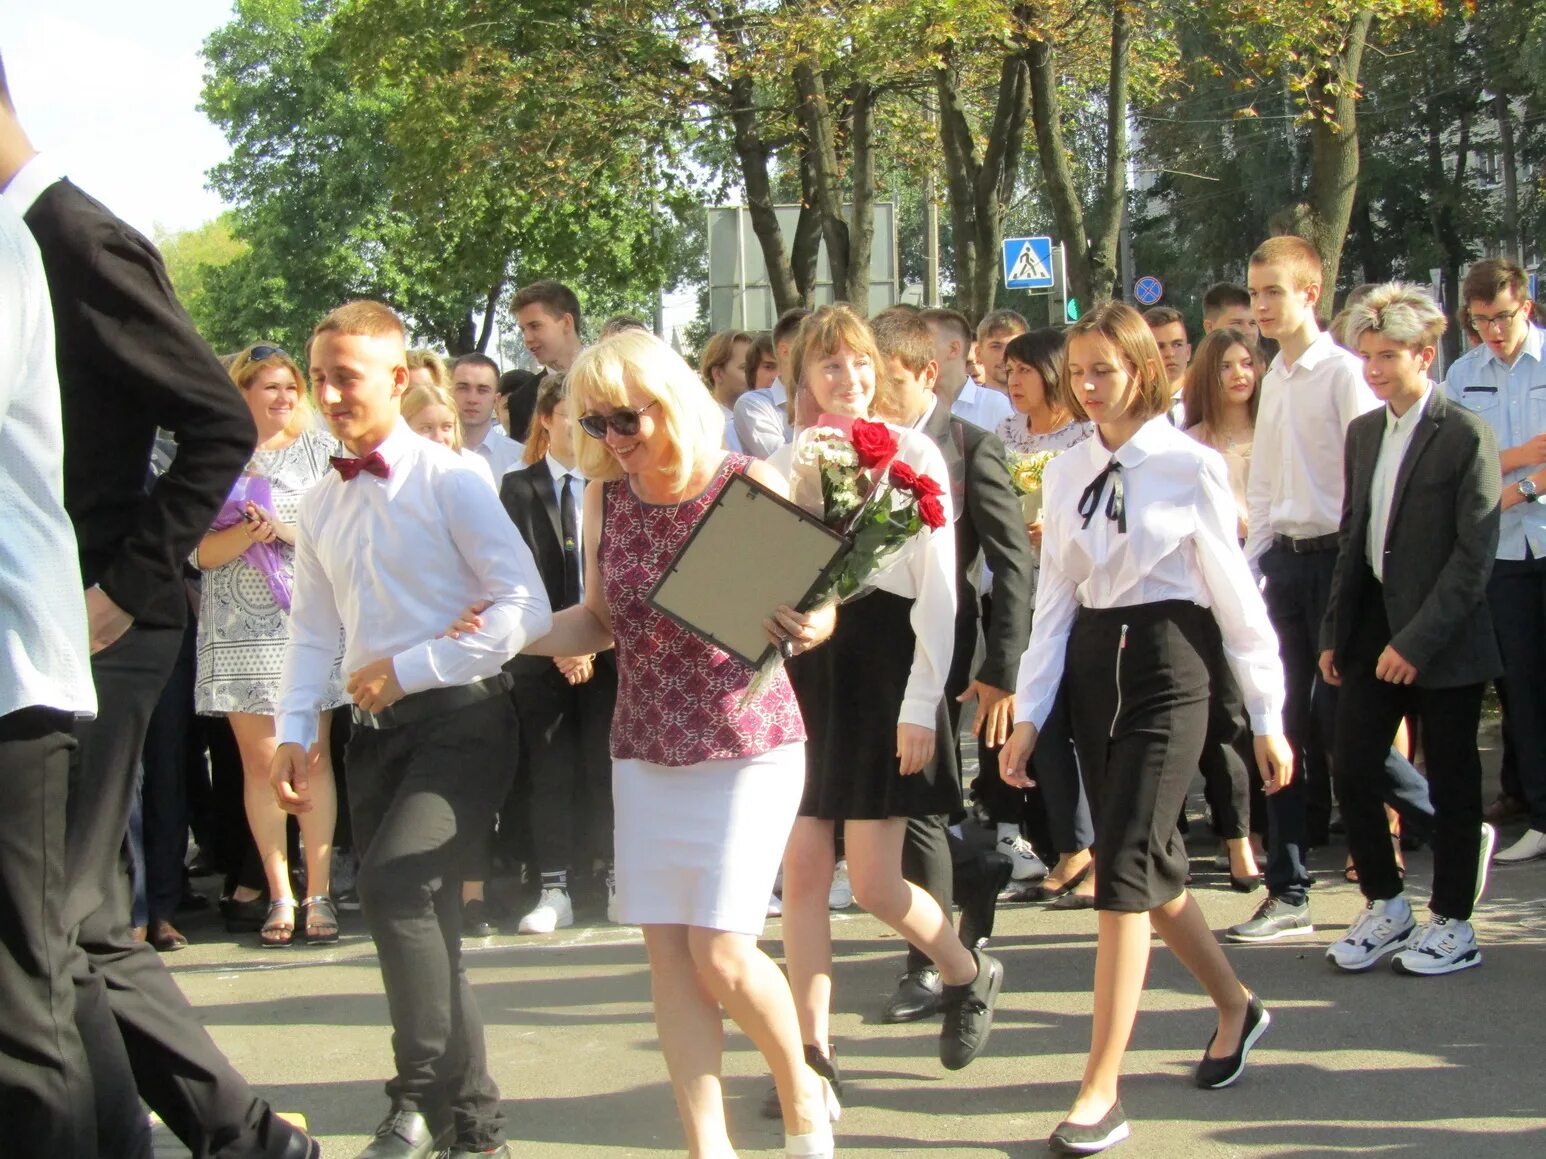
{"x":852,"y":479}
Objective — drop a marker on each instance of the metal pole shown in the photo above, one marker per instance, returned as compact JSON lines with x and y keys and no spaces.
{"x":740,"y":269}
{"x":930,"y":223}
{"x":1062,"y":259}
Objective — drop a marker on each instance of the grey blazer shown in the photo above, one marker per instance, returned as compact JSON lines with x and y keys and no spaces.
{"x":1439,"y":545}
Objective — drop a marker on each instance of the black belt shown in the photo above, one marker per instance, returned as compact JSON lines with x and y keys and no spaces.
{"x":432,"y":702}
{"x":1307,"y":546}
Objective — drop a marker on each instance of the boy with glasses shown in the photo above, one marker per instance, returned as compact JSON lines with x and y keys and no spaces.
{"x":1503,"y":381}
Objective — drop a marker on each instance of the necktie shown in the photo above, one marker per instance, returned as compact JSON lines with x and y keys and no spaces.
{"x":1116,"y":508}
{"x":568,"y":527}
{"x":350,"y":468}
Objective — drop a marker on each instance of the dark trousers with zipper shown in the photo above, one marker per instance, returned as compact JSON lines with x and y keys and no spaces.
{"x":1369,"y":709}
{"x":421,"y":796}
{"x":1516,"y":596}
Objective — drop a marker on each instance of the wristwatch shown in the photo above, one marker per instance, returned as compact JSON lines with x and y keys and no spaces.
{"x":1527,"y":489}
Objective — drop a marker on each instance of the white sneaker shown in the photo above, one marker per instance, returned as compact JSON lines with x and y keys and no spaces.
{"x":1484,"y":858}
{"x":1530,"y":847}
{"x":1446,"y":945}
{"x":1382,"y":928}
{"x":841,"y":895}
{"x":1028,"y":867}
{"x":553,"y":912}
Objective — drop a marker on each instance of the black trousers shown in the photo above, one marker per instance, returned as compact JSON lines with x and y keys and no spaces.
{"x":1368,"y":710}
{"x":45,"y":1083}
{"x":421,"y":797}
{"x":928,"y":861}
{"x":172,"y":747}
{"x":1229,"y":758}
{"x":1516,"y":596}
{"x":142,"y":1039}
{"x":567,"y":763}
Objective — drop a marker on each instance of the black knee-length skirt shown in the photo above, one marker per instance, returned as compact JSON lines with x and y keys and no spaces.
{"x":850,"y":692}
{"x":1137,"y":686}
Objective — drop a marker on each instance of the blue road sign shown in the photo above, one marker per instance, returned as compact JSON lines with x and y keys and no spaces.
{"x":1148,"y":290}
{"x":1028,"y":263}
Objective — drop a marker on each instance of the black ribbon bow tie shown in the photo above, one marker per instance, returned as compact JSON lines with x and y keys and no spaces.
{"x":1116,"y":507}
{"x":350,"y":468}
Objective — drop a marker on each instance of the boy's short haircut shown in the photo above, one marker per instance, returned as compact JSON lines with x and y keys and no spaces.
{"x":1293,"y":254}
{"x":620,"y":322}
{"x":364,"y":318}
{"x":1490,"y":277}
{"x":905,"y":336}
{"x":554,"y":297}
{"x":1157,"y":316}
{"x":997,"y":322}
{"x":1222,"y":296}
{"x":788,"y":323}
{"x":951,"y":320}
{"x":475,"y":359}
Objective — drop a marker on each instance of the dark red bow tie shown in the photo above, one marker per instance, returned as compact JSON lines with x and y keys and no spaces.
{"x":349,"y":468}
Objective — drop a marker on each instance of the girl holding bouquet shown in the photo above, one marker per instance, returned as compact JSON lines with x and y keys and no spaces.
{"x":1142,"y":583}
{"x":873,"y":703}
{"x":248,"y":560}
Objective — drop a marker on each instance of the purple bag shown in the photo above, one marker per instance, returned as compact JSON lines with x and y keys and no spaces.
{"x":268,"y":558}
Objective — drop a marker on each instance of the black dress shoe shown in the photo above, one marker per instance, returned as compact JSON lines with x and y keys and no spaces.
{"x":1248,"y":884}
{"x":1078,"y":1139}
{"x":402,"y":1135}
{"x":977,"y":886}
{"x":500,"y":1152}
{"x":244,"y":917}
{"x":918,"y":996}
{"x":823,"y":1064}
{"x":1215,"y":1073}
{"x":969,"y":1013}
{"x":475,"y":923}
{"x":1072,"y":901}
{"x":294,"y":1142}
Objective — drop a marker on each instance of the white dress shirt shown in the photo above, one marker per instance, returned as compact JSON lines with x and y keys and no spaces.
{"x":732,"y":441}
{"x":571,"y":478}
{"x":501,"y":453}
{"x":1295,"y":484}
{"x":42,"y":606}
{"x":395,"y":561}
{"x":761,"y":420}
{"x":30,"y":181}
{"x":1179,"y":545}
{"x":1382,"y":488}
{"x":481,"y":465}
{"x":982,"y":405}
{"x":924,"y":571}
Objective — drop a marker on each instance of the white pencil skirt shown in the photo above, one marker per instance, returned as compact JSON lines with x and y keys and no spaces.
{"x":700,"y":845}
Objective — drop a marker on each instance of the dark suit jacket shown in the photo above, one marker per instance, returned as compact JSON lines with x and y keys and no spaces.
{"x":989,"y":521}
{"x":130,"y":361}
{"x":1439,"y":545}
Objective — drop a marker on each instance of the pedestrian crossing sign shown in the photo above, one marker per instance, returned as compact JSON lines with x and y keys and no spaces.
{"x":1028,"y":263}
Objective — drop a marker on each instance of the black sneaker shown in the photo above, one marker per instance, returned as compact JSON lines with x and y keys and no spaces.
{"x":969,"y":1013}
{"x":919,"y":995}
{"x":1275,"y":918}
{"x":823,"y":1064}
{"x":1216,"y":1073}
{"x":1076,"y":1139}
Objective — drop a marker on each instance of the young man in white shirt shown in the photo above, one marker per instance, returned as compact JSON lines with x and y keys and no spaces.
{"x":761,"y":417}
{"x":1311,"y":393}
{"x":1503,"y":382}
{"x":1175,"y":347}
{"x":475,"y":386}
{"x":954,"y":387}
{"x":994,"y":333}
{"x":389,"y":551}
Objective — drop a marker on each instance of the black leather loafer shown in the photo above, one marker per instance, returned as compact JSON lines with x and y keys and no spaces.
{"x":402,"y":1135}
{"x":918,"y":996}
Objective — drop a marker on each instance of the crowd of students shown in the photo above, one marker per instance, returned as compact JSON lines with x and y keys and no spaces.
{"x":420,"y":625}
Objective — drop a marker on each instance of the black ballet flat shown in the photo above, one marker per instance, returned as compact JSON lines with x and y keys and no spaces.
{"x":1073,"y":901}
{"x":1217,"y":1073}
{"x":1065,"y":889}
{"x":1080,"y":1139}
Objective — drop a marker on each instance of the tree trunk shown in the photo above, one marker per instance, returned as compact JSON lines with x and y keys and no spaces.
{"x":821,"y":134}
{"x":995,"y":180}
{"x":1056,"y":171}
{"x":861,"y":230}
{"x":958,"y":151}
{"x":807,"y":235}
{"x":490,"y":315}
{"x":753,"y":155}
{"x":1505,"y":120}
{"x":1107,"y":229}
{"x":1445,"y":192}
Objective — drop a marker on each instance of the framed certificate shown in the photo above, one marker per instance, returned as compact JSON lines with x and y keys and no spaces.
{"x":752,"y":551}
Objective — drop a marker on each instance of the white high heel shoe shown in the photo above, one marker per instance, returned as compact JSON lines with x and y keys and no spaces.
{"x":816,"y":1144}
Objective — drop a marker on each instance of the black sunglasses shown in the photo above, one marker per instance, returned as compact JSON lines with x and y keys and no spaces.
{"x":623,"y":420}
{"x":260,"y":352}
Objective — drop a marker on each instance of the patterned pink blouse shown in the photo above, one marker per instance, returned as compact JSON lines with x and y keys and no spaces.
{"x":677,"y":694}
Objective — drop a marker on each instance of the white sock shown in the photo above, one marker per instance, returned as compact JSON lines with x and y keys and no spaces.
{"x":1007,"y":832}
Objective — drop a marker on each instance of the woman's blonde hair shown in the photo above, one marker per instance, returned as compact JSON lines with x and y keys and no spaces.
{"x":820,"y":334}
{"x":243,"y":368}
{"x":421,"y":359}
{"x":417,"y":398}
{"x":603,"y":375}
{"x":1123,"y":327}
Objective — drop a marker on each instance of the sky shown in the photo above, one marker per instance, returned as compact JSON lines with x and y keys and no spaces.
{"x":111,"y":87}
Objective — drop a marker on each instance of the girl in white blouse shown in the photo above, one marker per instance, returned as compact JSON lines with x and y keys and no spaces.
{"x":1143,"y":585}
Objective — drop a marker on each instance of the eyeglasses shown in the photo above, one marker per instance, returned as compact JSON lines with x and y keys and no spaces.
{"x":263,"y":350}
{"x":1501,"y":321}
{"x":624,"y":421}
